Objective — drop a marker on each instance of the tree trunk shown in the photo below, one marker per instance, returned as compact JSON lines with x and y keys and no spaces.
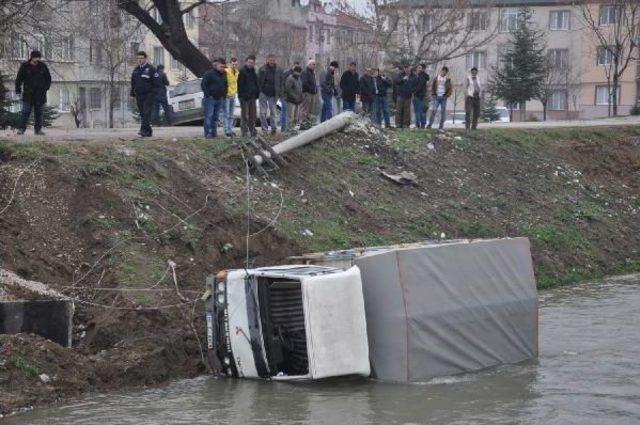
{"x":615,"y":92}
{"x":171,"y":33}
{"x":544,"y":111}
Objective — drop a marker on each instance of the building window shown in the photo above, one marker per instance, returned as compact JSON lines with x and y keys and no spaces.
{"x":156,"y":16}
{"x":558,"y":58}
{"x":476,"y":59}
{"x":65,"y":100}
{"x":95,"y":98}
{"x":605,"y":55}
{"x":116,"y":97}
{"x":15,"y":47}
{"x":426,"y":23}
{"x":95,"y":52}
{"x":189,"y":19}
{"x":509,"y":20}
{"x":558,"y":101}
{"x":604,"y":97}
{"x":134,"y":48}
{"x":609,"y":15}
{"x":158,"y":55}
{"x":175,"y":65}
{"x":559,"y":19}
{"x":68,"y":49}
{"x":478,"y":21}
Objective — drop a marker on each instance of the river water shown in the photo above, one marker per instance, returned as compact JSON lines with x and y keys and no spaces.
{"x":588,"y":372}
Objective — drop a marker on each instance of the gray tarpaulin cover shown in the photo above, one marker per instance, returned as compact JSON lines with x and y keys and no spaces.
{"x":439,"y":310}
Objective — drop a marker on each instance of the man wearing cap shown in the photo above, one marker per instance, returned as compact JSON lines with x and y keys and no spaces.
{"x":33,"y":81}
{"x":145,"y":82}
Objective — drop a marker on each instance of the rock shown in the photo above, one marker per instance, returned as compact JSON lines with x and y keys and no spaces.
{"x":431,"y":146}
{"x":403,"y":178}
{"x":307,"y":232}
{"x":44,"y":378}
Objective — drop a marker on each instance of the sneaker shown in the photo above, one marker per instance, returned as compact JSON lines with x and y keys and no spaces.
{"x":20,"y":132}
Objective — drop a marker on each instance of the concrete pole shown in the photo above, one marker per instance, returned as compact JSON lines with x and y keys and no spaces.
{"x":332,"y":125}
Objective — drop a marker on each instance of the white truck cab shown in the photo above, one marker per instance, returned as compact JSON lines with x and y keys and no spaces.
{"x":287,"y":323}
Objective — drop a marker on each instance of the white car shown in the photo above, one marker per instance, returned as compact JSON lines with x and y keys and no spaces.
{"x":186,"y":100}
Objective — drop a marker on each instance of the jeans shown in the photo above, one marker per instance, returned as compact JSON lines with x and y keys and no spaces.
{"x":249,"y":117}
{"x":440,"y":101}
{"x":229,"y":106}
{"x":348,"y":104}
{"x":381,"y":109}
{"x":327,"y":107}
{"x":284,"y":116}
{"x":38,"y":112}
{"x":268,"y":103}
{"x":471,"y":112}
{"x":212,"y":109}
{"x":418,"y":110}
{"x":145,"y":107}
{"x":161,"y":101}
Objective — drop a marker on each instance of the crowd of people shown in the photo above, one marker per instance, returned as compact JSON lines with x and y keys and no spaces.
{"x":297,"y":91}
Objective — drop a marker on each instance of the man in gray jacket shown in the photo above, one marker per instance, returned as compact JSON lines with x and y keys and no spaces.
{"x":270,"y":81}
{"x":293,"y":96}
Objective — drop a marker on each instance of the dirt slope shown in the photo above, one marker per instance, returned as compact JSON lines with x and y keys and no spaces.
{"x":84,"y":218}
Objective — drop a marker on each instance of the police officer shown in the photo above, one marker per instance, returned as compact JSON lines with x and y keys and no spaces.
{"x":145,"y":82}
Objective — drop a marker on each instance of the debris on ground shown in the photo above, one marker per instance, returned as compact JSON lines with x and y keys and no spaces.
{"x":403,"y":178}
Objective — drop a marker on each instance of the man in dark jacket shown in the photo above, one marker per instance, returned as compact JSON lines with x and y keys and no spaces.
{"x":270,"y":81}
{"x":144,"y":86}
{"x":308,"y":108}
{"x":350,"y":86}
{"x":283,"y":101}
{"x":248,"y":92}
{"x":420,"y":80}
{"x":381,"y":85}
{"x":161,"y":98}
{"x":404,"y":92}
{"x":328,"y":90}
{"x":367,"y":92}
{"x":214,"y":88}
{"x":293,"y":96}
{"x":33,"y":81}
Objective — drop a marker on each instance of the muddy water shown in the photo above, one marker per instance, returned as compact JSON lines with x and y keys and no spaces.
{"x":588,"y":373}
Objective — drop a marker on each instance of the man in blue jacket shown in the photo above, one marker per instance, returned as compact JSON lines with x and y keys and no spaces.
{"x":145,"y":82}
{"x":214,"y":88}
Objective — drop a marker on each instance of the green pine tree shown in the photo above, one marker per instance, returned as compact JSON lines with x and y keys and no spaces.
{"x":489,"y":111}
{"x":518,"y":77}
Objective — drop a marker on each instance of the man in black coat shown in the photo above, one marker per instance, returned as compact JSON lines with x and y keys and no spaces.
{"x":248,"y":93}
{"x":214,"y":87}
{"x":350,"y":86}
{"x":33,"y":81}
{"x":420,"y":81}
{"x":161,"y":98}
{"x":367,"y":92}
{"x":308,"y":108}
{"x":404,"y":92}
{"x":145,"y":82}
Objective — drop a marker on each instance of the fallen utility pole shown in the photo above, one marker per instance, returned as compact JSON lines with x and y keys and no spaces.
{"x":332,"y":125}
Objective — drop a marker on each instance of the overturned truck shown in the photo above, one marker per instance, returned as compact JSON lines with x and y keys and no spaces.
{"x":402,"y":314}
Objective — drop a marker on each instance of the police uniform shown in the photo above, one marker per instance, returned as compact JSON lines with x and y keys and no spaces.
{"x":145,"y":81}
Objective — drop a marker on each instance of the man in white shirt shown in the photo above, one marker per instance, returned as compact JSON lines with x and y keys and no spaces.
{"x":441,"y":89}
{"x":473,"y":89}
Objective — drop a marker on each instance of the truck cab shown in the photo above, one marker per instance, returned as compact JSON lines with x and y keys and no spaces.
{"x":287,"y":323}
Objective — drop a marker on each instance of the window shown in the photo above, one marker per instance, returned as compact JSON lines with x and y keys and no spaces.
{"x":116,"y":97}
{"x":43,"y":45}
{"x":604,"y":97}
{"x":609,"y":15}
{"x":134,"y":48}
{"x":426,"y":23}
{"x":15,"y":47}
{"x":605,"y":55}
{"x":158,"y":55}
{"x":478,"y":21}
{"x":503,"y":50}
{"x":558,"y":58}
{"x":156,"y":15}
{"x":328,"y":39}
{"x":68,"y":49}
{"x":189,"y":19}
{"x":95,"y":98}
{"x":509,"y":20}
{"x":175,"y":65}
{"x":558,"y":101}
{"x":95,"y":52}
{"x":65,"y":100}
{"x":559,"y":19}
{"x":477,"y":59}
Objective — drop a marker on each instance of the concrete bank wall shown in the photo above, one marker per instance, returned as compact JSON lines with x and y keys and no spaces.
{"x":51,"y":319}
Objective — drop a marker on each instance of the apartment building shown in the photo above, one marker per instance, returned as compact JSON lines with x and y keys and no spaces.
{"x":580,"y":89}
{"x":87,"y":45}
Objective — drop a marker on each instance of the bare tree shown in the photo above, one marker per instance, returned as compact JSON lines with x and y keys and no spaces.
{"x":559,"y":76}
{"x":616,"y":29}
{"x":170,"y":29}
{"x":430,"y":32}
